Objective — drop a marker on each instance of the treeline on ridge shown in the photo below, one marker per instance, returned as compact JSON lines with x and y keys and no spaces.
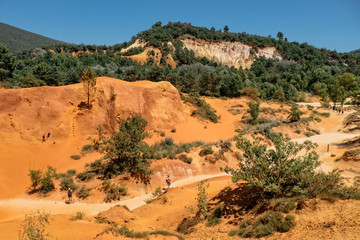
{"x":305,"y":68}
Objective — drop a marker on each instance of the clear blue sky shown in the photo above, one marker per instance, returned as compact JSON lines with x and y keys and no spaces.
{"x":332,"y":24}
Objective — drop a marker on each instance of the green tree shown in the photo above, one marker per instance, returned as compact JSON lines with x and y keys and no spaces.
{"x":282,"y":170}
{"x":295,"y":113}
{"x":35,"y":177}
{"x":7,"y":63}
{"x":226,"y":28}
{"x":280,"y":35}
{"x":348,"y":86}
{"x":88,"y":79}
{"x":123,"y":151}
{"x":254,"y":110}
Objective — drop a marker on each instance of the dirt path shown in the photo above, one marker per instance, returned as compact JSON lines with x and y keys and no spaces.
{"x":19,"y":206}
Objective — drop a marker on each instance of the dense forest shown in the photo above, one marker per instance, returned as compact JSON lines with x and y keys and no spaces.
{"x":333,"y":76}
{"x":18,"y":40}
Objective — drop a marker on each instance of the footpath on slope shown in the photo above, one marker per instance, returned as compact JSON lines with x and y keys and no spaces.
{"x":19,"y":206}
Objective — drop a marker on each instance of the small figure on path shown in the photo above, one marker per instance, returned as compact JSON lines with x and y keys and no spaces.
{"x":43,"y":137}
{"x":168,"y":181}
{"x":342,"y":111}
{"x":48,"y":135}
{"x":70,"y":196}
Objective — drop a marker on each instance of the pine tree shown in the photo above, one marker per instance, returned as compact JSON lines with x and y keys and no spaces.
{"x":88,"y":79}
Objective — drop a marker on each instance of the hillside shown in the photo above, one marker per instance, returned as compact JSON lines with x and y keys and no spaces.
{"x":356,"y":52}
{"x":17,"y":39}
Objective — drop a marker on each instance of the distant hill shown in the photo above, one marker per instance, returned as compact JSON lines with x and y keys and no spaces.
{"x":17,"y":39}
{"x":356,"y":52}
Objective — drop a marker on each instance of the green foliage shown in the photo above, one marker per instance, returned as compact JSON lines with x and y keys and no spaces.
{"x":18,"y":40}
{"x":277,"y":171}
{"x":133,"y":51}
{"x":78,"y":216}
{"x":185,"y":158}
{"x":82,"y":193}
{"x":88,"y":80}
{"x":295,"y":113}
{"x":47,"y":183}
{"x":34,"y":226}
{"x":35,"y":177}
{"x":203,"y":109}
{"x":202,"y":200}
{"x":87,"y":148}
{"x":122,"y":149}
{"x":7,"y":63}
{"x":254,"y":110}
{"x":85,"y":176}
{"x":67,"y":183}
{"x":206,"y":151}
{"x":187,"y":225}
{"x":215,"y":216}
{"x":266,"y":224}
{"x":75,"y":157}
{"x":71,"y":172}
{"x":113,"y":191}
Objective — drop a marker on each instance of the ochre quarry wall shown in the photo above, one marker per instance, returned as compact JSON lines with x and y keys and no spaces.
{"x":235,"y":54}
{"x":28,"y":113}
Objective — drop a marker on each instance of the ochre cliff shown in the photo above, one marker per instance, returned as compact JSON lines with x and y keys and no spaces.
{"x":235,"y":54}
{"x":29,"y":112}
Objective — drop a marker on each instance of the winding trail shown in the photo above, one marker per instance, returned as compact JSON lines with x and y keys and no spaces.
{"x":21,"y":205}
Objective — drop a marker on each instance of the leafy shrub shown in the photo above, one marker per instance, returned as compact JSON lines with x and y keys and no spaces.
{"x":262,"y":167}
{"x":71,"y":172}
{"x":85,"y":176}
{"x":47,"y":183}
{"x":33,"y":226}
{"x":82,"y":193}
{"x":254,"y":111}
{"x":232,"y":233}
{"x":173,"y":130}
{"x":157,"y":192}
{"x":185,"y":158}
{"x":113,"y":191}
{"x":77,"y":216}
{"x":225,"y":145}
{"x":295,"y":113}
{"x":75,"y":157}
{"x":266,"y":224}
{"x":86,"y":149}
{"x":284,"y":205}
{"x":101,"y":219}
{"x":206,"y":151}
{"x":215,"y":216}
{"x":309,"y":134}
{"x":187,"y":225}
{"x":67,"y":183}
{"x":35,"y":177}
{"x":298,"y":131}
{"x":203,"y":109}
{"x":168,"y":141}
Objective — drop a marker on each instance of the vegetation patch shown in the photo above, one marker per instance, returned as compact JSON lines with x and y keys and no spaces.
{"x":203,"y":109}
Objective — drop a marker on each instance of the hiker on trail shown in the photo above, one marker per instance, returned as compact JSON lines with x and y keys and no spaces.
{"x":339,"y":111}
{"x":342,"y":111}
{"x":333,"y":107}
{"x":48,"y":135}
{"x":43,"y":137}
{"x":168,"y":181}
{"x":70,"y":196}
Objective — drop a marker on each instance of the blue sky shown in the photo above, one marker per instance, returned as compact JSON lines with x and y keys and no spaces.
{"x":331,"y":24}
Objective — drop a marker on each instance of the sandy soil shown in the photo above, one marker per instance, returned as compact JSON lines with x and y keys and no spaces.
{"x":25,"y":112}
